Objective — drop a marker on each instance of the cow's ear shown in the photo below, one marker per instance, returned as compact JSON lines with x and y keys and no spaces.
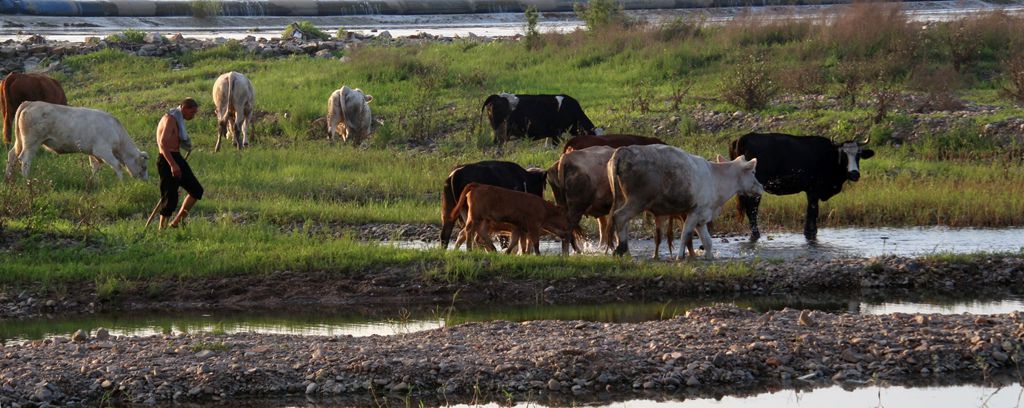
{"x":741,"y":158}
{"x":719,"y":159}
{"x":751,"y":164}
{"x":867,"y":154}
{"x":369,"y":98}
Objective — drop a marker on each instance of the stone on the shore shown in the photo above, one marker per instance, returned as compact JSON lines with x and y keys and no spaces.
{"x":102,"y":334}
{"x":80,"y":336}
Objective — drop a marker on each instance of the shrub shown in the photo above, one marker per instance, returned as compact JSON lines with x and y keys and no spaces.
{"x":681,"y":29}
{"x":1013,"y":73}
{"x":129,"y":36}
{"x":748,"y":30}
{"x":306,"y":28}
{"x":808,"y":79}
{"x":532,"y":39}
{"x":597,"y":14}
{"x":205,"y":8}
{"x":870,"y":29}
{"x":751,"y":86}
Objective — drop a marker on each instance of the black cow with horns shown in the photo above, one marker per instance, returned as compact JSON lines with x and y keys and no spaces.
{"x":788,"y":164}
{"x":536,"y":116}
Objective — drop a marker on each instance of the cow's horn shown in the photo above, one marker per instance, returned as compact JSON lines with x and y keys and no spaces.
{"x":866,"y":141}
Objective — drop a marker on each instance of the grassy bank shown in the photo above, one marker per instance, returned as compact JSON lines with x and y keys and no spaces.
{"x":819,"y":78}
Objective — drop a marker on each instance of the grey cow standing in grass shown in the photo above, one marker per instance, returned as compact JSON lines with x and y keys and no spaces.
{"x":667,"y":181}
{"x":233,"y":100}
{"x":348,"y":115}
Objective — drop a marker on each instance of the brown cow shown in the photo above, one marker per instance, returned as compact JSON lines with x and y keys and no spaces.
{"x":19,"y":87}
{"x":583,"y":142}
{"x":526,"y":213}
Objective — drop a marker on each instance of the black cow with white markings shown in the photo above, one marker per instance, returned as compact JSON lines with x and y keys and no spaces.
{"x":537,"y":117}
{"x":788,"y":164}
{"x":491,"y":172}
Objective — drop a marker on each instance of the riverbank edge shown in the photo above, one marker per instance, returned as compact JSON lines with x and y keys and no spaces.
{"x":709,"y":352}
{"x":979,"y":275}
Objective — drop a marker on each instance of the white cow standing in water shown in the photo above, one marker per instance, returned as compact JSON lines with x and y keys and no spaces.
{"x":233,"y":99}
{"x":64,"y":129}
{"x":348,"y":114}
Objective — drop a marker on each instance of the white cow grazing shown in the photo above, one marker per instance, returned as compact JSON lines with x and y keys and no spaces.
{"x":65,"y":129}
{"x":349,"y":108}
{"x":668,"y":181}
{"x":233,"y":99}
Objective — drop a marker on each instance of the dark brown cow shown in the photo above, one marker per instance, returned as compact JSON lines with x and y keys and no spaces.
{"x":526,"y":213}
{"x":18,"y":87}
{"x":583,"y":142}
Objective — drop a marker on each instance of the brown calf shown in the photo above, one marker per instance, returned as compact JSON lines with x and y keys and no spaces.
{"x":527,"y":214}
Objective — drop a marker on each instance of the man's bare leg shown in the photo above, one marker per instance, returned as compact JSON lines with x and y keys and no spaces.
{"x":186,"y":206}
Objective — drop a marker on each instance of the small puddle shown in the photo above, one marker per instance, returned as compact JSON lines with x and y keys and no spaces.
{"x":832,"y":243}
{"x":399,"y":321}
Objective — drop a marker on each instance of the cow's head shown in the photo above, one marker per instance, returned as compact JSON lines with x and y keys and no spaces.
{"x":850,"y":153}
{"x":138,"y":166}
{"x":748,"y":184}
{"x":498,"y":110}
{"x":535,"y":179}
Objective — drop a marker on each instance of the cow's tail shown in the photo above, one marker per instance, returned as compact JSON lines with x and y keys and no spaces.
{"x":617,"y":197}
{"x":5,"y":87}
{"x":448,"y":201}
{"x":462,"y":200}
{"x":19,"y":140}
{"x":560,"y":194}
{"x":231,"y":97}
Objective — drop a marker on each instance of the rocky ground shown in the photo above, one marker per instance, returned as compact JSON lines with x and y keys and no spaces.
{"x":991,"y":276}
{"x":705,"y":352}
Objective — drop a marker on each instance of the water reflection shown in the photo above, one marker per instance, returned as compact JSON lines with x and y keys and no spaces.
{"x":397,"y":321}
{"x":832,"y":243}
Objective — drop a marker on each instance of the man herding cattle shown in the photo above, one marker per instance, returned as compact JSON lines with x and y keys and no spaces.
{"x":175,"y":172}
{"x":536,"y":116}
{"x":18,"y":87}
{"x":790,"y":164}
{"x":233,"y":100}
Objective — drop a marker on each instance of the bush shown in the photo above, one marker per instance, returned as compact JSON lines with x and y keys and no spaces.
{"x":205,"y":8}
{"x":1013,"y":72}
{"x":751,"y":86}
{"x":532,"y":39}
{"x":129,"y":36}
{"x":598,"y":14}
{"x":306,"y":29}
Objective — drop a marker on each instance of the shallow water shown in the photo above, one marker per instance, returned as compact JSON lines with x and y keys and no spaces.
{"x":831,"y":243}
{"x":399,"y":321}
{"x":962,"y":396}
{"x":448,"y":25}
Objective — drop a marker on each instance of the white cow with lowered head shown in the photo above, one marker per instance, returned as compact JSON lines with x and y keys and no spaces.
{"x":65,"y":129}
{"x":233,"y":101}
{"x":348,"y":114}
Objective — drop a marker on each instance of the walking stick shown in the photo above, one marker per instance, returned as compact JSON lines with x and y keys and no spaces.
{"x":161,"y":202}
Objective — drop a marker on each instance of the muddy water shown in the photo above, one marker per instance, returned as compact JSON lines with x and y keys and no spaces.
{"x":404,"y":321}
{"x":831,"y":243}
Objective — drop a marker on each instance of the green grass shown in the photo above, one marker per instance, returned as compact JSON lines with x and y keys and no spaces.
{"x":430,"y":95}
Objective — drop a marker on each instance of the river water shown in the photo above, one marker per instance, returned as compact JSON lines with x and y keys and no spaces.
{"x":831,"y":243}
